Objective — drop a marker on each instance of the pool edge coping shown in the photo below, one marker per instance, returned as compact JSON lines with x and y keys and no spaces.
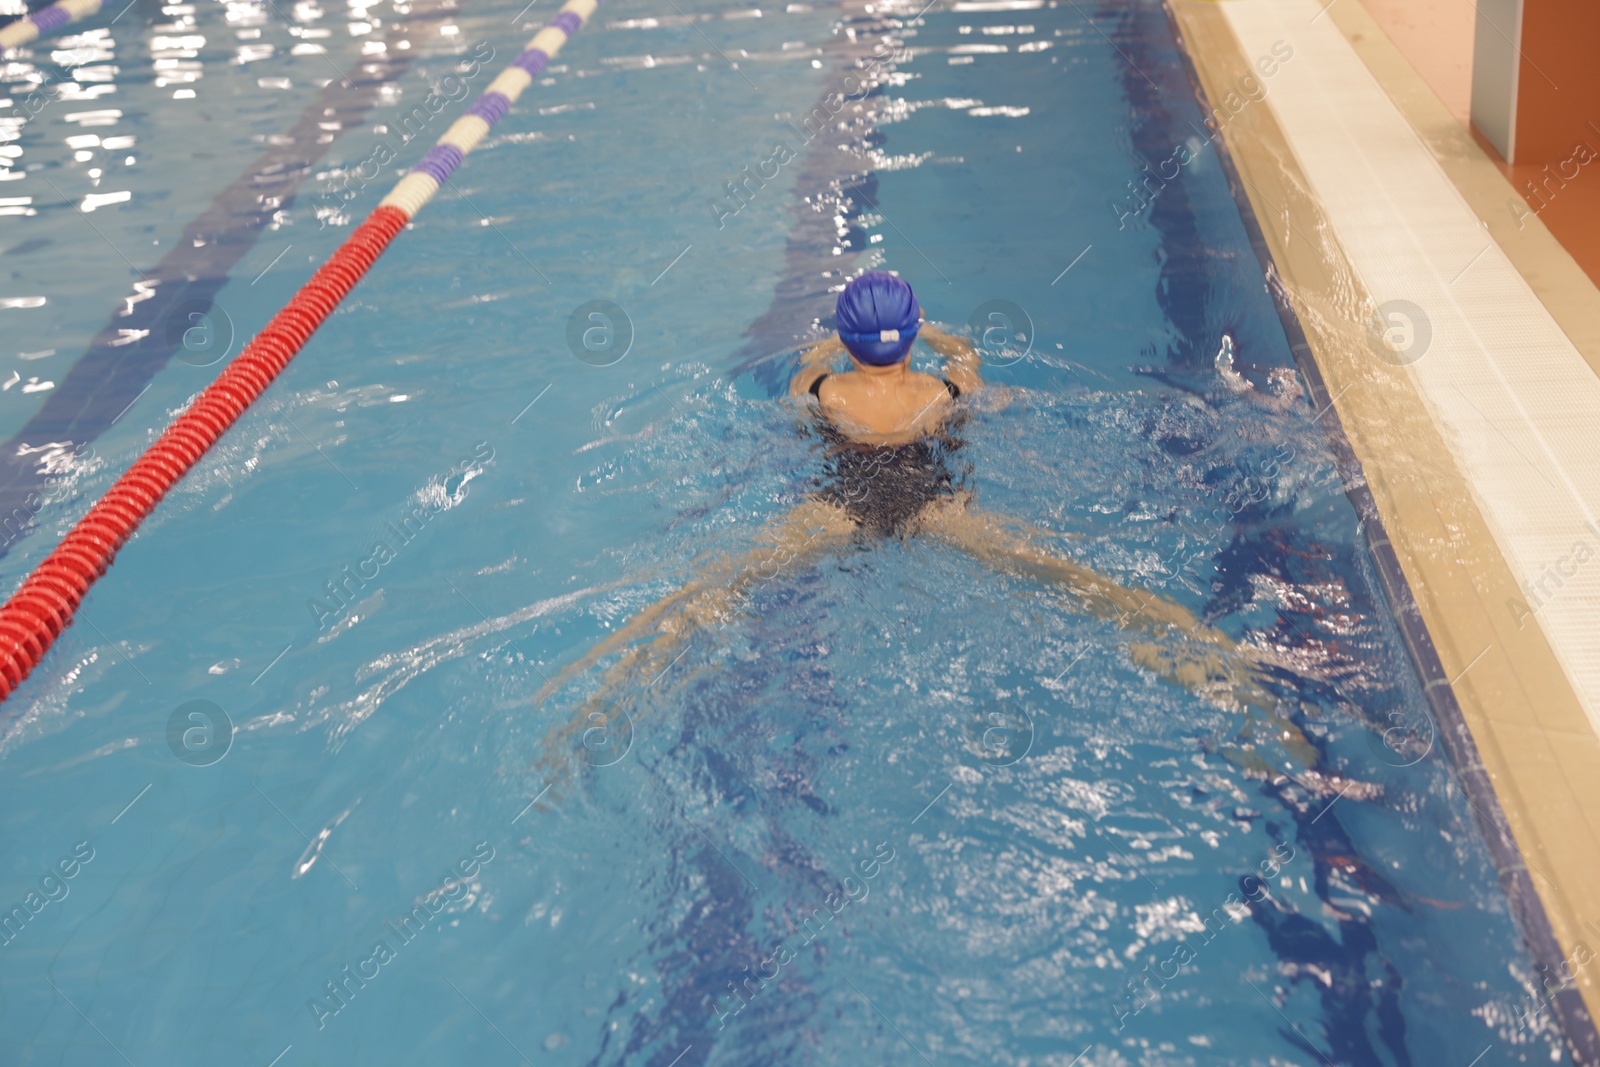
{"x":1507,"y":821}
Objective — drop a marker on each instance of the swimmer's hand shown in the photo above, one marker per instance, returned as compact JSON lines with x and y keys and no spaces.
{"x":961,"y":359}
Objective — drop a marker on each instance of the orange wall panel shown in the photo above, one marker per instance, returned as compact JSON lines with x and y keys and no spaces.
{"x":1558,"y":87}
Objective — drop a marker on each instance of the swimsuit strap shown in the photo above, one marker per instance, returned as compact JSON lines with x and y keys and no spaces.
{"x":816,"y":387}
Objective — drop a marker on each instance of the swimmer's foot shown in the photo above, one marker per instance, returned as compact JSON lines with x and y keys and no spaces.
{"x":1318,"y":786}
{"x":591,"y":730}
{"x":600,"y":731}
{"x":1230,"y":680}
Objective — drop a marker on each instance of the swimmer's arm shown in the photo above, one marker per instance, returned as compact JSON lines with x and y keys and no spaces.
{"x":961,"y":359}
{"x":814,"y":364}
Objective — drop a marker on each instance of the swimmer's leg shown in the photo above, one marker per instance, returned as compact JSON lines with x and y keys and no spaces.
{"x":704,"y":604}
{"x":1185,"y":653}
{"x":708,"y":600}
{"x":994,"y":540}
{"x":1194,"y":656}
{"x":634,"y":628}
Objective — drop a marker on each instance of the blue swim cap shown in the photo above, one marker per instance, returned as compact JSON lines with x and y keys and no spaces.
{"x":877,"y":316}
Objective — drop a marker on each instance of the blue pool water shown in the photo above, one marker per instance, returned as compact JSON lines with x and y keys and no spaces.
{"x":905,"y":808}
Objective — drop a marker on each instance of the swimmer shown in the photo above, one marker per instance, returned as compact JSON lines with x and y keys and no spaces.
{"x":890,"y":435}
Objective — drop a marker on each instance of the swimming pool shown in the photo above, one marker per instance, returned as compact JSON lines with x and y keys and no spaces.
{"x":905,"y":809}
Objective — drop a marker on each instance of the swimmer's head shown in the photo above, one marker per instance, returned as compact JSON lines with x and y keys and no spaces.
{"x":878,"y":317}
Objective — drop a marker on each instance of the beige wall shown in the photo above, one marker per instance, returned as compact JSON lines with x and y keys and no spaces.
{"x":1436,"y":37}
{"x":1558,"y":91}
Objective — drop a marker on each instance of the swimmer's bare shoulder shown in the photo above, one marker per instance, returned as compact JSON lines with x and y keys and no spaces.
{"x":876,"y":412}
{"x":814,"y":364}
{"x":915,"y":386}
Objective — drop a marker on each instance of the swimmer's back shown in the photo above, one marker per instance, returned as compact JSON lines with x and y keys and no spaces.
{"x":872,"y":410}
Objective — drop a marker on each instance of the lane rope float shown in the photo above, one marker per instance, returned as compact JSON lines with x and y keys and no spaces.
{"x":32,"y":26}
{"x":43,"y":606}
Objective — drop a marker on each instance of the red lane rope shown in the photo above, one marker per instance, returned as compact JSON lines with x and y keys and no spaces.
{"x":43,"y":606}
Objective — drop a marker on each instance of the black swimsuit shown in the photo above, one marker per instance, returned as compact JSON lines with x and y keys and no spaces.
{"x":883,"y":487}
